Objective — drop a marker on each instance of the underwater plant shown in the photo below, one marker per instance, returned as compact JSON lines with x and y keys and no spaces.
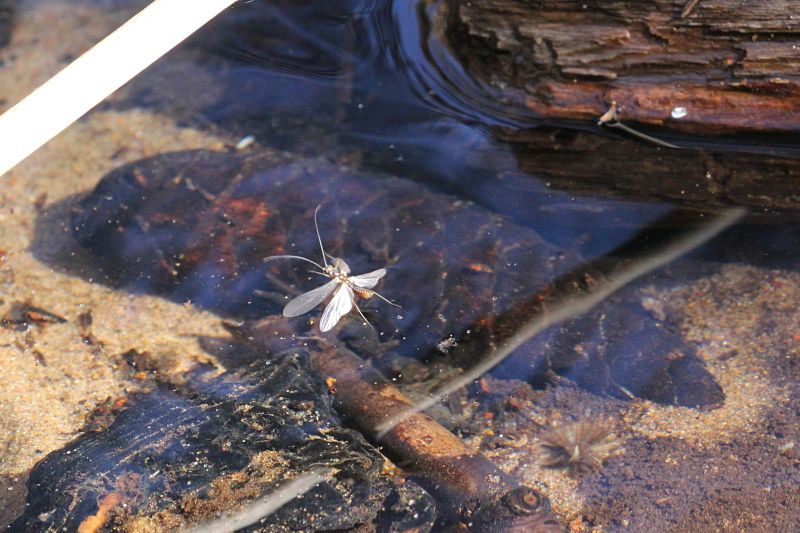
{"x":581,"y":446}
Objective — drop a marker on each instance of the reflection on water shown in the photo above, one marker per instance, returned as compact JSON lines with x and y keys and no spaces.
{"x":360,"y":107}
{"x":202,"y":236}
{"x":376,"y":79}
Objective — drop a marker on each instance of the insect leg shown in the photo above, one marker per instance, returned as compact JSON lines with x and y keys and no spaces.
{"x":388,"y":301}
{"x":362,"y":315}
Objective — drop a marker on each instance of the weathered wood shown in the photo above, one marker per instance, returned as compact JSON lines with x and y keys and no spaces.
{"x":584,"y":163}
{"x":467,"y":482}
{"x":732,"y":64}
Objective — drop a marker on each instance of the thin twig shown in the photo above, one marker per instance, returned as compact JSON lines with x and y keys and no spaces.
{"x":610,"y":119}
{"x":619,"y":125}
{"x":687,"y":9}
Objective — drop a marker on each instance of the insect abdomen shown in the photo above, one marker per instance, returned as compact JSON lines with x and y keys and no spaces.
{"x":364,"y":293}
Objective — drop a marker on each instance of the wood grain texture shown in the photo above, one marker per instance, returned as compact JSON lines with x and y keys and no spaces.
{"x":588,"y":164}
{"x":732,"y":64}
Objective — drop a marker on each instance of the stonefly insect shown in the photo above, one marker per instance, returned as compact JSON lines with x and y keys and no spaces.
{"x":343,"y":286}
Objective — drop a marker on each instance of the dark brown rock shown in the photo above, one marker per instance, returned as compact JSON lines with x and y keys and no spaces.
{"x":197,"y":226}
{"x":178,"y":456}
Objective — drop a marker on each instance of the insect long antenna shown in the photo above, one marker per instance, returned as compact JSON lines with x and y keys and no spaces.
{"x":320,"y":273}
{"x":388,"y":301}
{"x":362,"y":315}
{"x":274,"y":257}
{"x":319,"y":238}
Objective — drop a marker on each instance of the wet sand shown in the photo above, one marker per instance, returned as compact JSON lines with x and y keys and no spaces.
{"x":51,"y":378}
{"x":736,"y":468}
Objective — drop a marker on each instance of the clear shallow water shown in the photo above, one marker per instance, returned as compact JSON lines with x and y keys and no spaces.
{"x":375,"y":77}
{"x":369,"y":84}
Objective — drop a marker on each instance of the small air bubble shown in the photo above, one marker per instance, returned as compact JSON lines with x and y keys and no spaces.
{"x":399,"y":317}
{"x":678,"y":112}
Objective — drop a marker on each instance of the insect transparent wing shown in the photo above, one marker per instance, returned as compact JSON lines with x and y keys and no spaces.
{"x":340,"y":305}
{"x":368,"y":280}
{"x":341,"y":265}
{"x":309,"y":300}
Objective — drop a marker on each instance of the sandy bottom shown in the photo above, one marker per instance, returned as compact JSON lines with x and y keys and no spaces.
{"x":51,"y":378}
{"x":735,"y":468}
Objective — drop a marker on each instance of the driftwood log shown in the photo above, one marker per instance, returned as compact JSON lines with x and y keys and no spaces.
{"x":585,"y":163}
{"x":699,"y":66}
{"x":718,"y":78}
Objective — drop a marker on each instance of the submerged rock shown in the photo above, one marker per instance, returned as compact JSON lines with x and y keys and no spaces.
{"x":179,"y":457}
{"x":197,"y":225}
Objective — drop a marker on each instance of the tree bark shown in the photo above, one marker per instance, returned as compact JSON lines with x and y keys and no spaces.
{"x":706,"y":66}
{"x":584,"y":163}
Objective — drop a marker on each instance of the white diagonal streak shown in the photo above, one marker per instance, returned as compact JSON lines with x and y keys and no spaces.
{"x":103,"y":69}
{"x":576,"y":305}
